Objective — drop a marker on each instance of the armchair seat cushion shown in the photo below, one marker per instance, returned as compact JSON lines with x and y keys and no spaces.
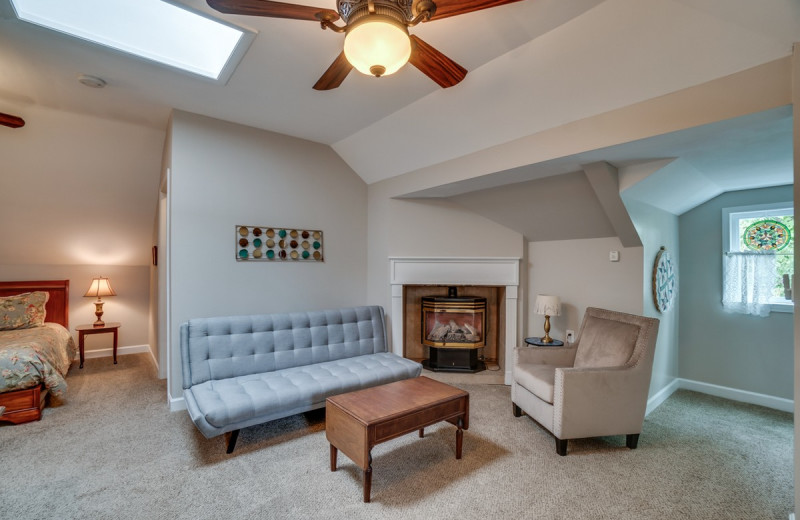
{"x":536,"y":379}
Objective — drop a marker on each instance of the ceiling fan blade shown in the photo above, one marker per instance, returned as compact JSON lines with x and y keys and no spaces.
{"x":435,"y":65}
{"x":335,"y":74}
{"x":446,"y":8}
{"x":273,"y":9}
{"x":11,"y":121}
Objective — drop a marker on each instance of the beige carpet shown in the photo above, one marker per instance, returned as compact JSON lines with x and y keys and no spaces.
{"x":113,"y":450}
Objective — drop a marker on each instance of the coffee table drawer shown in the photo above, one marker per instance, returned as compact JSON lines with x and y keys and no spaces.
{"x":408,"y":423}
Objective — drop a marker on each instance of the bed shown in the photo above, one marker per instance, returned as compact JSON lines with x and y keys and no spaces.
{"x":35,"y":360}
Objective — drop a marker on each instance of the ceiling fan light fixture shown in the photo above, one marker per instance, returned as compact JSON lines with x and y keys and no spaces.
{"x":377,"y":46}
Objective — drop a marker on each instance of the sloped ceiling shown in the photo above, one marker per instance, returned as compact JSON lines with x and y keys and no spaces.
{"x":554,"y":208}
{"x":535,"y":64}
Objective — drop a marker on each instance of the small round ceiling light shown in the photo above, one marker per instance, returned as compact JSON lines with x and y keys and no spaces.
{"x":91,"y":81}
{"x":377,"y":45}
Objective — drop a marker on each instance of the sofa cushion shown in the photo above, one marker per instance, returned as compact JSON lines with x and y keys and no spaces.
{"x":537,"y":379}
{"x":605,"y":343}
{"x":225,"y":347}
{"x":237,"y":399}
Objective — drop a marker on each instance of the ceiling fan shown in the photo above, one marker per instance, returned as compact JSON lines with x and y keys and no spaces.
{"x":11,"y":121}
{"x":377,"y":41}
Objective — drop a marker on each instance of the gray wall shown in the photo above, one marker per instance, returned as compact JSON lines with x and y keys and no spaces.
{"x":733,"y":350}
{"x":659,"y":228}
{"x":223,"y":174}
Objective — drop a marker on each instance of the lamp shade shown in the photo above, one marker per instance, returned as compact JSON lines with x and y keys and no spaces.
{"x":547,"y":305}
{"x":100,"y":287}
{"x":378,"y":46}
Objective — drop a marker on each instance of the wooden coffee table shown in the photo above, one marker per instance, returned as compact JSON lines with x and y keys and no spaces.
{"x":357,"y":421}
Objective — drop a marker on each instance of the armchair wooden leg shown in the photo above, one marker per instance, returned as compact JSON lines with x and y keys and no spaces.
{"x":516,"y":410}
{"x":561,"y":447}
{"x":232,"y":441}
{"x":632,"y":440}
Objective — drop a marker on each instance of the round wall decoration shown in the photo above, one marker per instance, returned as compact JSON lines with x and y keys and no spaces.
{"x":663,"y":280}
{"x":767,"y":235}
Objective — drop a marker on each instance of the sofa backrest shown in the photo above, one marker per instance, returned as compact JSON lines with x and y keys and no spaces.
{"x":224,"y":347}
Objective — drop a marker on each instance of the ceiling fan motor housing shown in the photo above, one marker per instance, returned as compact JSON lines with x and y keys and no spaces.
{"x":355,"y":12}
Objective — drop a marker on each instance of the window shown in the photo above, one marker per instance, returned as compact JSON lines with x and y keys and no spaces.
{"x":758,"y":258}
{"x":166,"y":32}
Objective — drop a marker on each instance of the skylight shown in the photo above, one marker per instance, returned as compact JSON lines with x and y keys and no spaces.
{"x":152,"y":29}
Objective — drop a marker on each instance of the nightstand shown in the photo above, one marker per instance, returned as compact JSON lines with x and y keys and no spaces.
{"x":538,"y":342}
{"x":83,"y":330}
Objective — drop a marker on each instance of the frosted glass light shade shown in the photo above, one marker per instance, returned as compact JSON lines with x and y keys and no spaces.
{"x":547,"y":305}
{"x":377,"y":47}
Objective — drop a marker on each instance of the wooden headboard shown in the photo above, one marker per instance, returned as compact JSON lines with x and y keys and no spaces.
{"x":58,"y":304}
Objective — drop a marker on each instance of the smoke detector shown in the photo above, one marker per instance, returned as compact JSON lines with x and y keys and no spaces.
{"x":91,"y":81}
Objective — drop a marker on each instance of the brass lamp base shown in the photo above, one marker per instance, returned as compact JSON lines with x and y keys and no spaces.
{"x":546,"y":338}
{"x":98,"y":311}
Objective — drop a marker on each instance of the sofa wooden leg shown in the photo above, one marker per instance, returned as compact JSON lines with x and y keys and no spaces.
{"x":232,"y":441}
{"x":561,"y":447}
{"x":516,"y":410}
{"x":632,"y":440}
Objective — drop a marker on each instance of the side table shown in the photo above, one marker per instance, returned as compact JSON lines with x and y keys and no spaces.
{"x":83,"y":330}
{"x":538,"y":342}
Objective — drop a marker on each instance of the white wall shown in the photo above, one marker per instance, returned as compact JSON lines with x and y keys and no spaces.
{"x":433,"y":228}
{"x":657,"y":228}
{"x":130,"y":306}
{"x":223,"y":175}
{"x":579,"y":272}
{"x":796,"y":320}
{"x":80,"y":188}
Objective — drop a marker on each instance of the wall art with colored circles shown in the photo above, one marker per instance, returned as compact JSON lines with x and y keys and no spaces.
{"x":278,"y":244}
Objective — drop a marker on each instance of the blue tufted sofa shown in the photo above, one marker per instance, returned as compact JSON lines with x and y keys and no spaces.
{"x":240,"y":371}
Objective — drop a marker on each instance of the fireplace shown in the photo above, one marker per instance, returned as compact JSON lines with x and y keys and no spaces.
{"x":496,"y":279}
{"x":454,"y":329}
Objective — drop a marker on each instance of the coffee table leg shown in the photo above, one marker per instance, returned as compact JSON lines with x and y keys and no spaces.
{"x":421,"y":433}
{"x":368,"y":479}
{"x":334,"y":452}
{"x":459,"y":437}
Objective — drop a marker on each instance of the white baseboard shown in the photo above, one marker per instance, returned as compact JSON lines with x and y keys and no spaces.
{"x":744,"y":396}
{"x":176,"y":404}
{"x":661,"y":396}
{"x":153,"y":358}
{"x":121,"y":351}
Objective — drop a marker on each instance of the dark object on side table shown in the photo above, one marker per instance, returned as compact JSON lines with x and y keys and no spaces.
{"x":538,"y":342}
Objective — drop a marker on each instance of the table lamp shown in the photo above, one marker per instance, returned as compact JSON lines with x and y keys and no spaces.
{"x":100,"y":287}
{"x":549,"y":306}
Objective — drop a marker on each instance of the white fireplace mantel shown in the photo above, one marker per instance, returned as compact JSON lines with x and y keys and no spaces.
{"x":457,"y":271}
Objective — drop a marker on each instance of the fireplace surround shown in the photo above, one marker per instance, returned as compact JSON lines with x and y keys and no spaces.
{"x":459,"y":271}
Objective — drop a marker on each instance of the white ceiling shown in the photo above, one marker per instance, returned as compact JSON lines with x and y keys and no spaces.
{"x":533,"y":65}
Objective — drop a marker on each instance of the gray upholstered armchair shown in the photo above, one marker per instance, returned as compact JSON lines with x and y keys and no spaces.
{"x":596,"y":387}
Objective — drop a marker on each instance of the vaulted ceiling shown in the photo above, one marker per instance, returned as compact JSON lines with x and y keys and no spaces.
{"x":533,"y":65}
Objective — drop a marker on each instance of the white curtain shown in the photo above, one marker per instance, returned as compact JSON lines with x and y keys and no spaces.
{"x":747,"y":281}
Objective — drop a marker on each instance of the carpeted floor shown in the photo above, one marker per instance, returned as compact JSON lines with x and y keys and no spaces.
{"x":113,"y":450}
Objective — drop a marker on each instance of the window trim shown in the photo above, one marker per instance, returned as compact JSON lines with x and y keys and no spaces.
{"x":730,"y":236}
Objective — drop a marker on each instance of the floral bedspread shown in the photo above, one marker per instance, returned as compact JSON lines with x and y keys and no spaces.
{"x":36,"y":355}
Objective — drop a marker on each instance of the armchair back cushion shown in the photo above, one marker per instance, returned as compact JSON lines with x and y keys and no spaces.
{"x":605,"y":343}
